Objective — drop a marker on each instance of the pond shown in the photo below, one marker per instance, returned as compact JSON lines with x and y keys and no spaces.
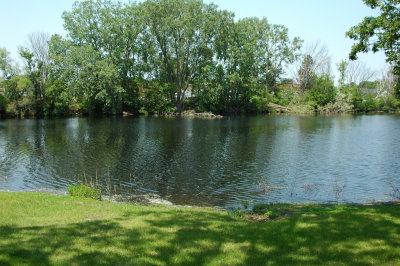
{"x":225,"y":162}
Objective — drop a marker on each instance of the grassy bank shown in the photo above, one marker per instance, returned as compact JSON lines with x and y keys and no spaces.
{"x":46,"y":229}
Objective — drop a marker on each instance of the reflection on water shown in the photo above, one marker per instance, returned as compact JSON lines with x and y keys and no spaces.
{"x":209,"y":162}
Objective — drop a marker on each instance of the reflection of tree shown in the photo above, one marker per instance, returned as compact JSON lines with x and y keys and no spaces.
{"x":189,"y":161}
{"x":176,"y":157}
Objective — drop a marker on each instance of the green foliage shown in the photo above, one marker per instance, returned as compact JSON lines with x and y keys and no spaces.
{"x":396,"y":89}
{"x":369,"y":84}
{"x":271,"y":210}
{"x":301,"y":104}
{"x":323,"y":90}
{"x":36,"y":59}
{"x":258,"y":104}
{"x":156,"y":99}
{"x":370,"y":102}
{"x":379,"y":33}
{"x":357,"y":99}
{"x":7,"y":67}
{"x":183,"y":28}
{"x":306,"y":73}
{"x":159,"y":56}
{"x":85,"y":191}
{"x":19,"y":95}
{"x":342,"y":104}
{"x":365,"y":102}
{"x":342,"y":68}
{"x":84,"y":76}
{"x":388,"y":103}
{"x":113,"y":51}
{"x":58,"y":99}
{"x":285,"y":94}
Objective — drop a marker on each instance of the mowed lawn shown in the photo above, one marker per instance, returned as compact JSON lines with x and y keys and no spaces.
{"x":41,"y":229}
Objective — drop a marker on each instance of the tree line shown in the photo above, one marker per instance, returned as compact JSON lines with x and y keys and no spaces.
{"x":161,"y":56}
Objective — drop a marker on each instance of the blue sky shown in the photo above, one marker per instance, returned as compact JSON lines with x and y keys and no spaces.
{"x":312,"y":20}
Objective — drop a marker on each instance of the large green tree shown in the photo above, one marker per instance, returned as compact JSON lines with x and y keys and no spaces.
{"x":89,"y":79}
{"x":255,"y":59}
{"x":379,"y":33}
{"x":115,"y":33}
{"x":185,"y":34}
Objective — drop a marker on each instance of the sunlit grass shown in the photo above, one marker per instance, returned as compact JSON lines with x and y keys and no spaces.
{"x":44,"y":229}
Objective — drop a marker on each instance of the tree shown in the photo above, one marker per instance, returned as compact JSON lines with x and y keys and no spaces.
{"x":320,"y":55}
{"x":280,"y":52}
{"x":387,"y":82}
{"x":306,"y":74}
{"x":379,"y":33}
{"x":185,"y":33}
{"x":358,"y":72}
{"x":269,"y":48}
{"x":315,"y":62}
{"x":323,"y":90}
{"x":91,"y":80}
{"x":19,"y":94}
{"x":255,"y":60}
{"x":342,"y":68}
{"x":36,"y":57}
{"x":6,"y":64}
{"x":116,"y":33}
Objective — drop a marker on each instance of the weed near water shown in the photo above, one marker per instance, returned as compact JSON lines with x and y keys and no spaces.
{"x":81,"y":190}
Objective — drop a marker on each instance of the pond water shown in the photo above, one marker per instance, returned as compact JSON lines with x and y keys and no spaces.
{"x":223,"y":162}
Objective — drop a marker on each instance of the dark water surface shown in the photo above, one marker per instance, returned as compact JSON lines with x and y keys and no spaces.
{"x":223,"y":163}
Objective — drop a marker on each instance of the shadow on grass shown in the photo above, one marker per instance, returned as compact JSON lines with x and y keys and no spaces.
{"x":361,"y":236}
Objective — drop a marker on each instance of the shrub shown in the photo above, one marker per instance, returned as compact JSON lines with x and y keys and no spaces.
{"x":82,"y":190}
{"x":323,"y":90}
{"x":258,"y":104}
{"x":388,"y":103}
{"x":370,"y":102}
{"x":342,"y":104}
{"x":301,"y":105}
{"x":285,"y":94}
{"x":272,"y":214}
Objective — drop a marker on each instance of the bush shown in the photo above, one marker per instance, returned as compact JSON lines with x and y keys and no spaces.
{"x":258,"y":104}
{"x":285,"y":94}
{"x":357,"y":99}
{"x":272,"y":214}
{"x":301,"y":105}
{"x":323,"y":90}
{"x":82,"y":190}
{"x":370,"y":103}
{"x":388,"y":103}
{"x":270,"y":210}
{"x":156,"y":99}
{"x":342,"y":104}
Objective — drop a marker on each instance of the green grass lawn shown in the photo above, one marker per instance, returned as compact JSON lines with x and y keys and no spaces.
{"x":43,"y":229}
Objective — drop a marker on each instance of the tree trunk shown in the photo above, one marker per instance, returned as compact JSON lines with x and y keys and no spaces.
{"x":266,"y":76}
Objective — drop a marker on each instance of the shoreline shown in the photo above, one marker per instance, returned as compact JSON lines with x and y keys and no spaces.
{"x":190,"y":114}
{"x":151,"y":199}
